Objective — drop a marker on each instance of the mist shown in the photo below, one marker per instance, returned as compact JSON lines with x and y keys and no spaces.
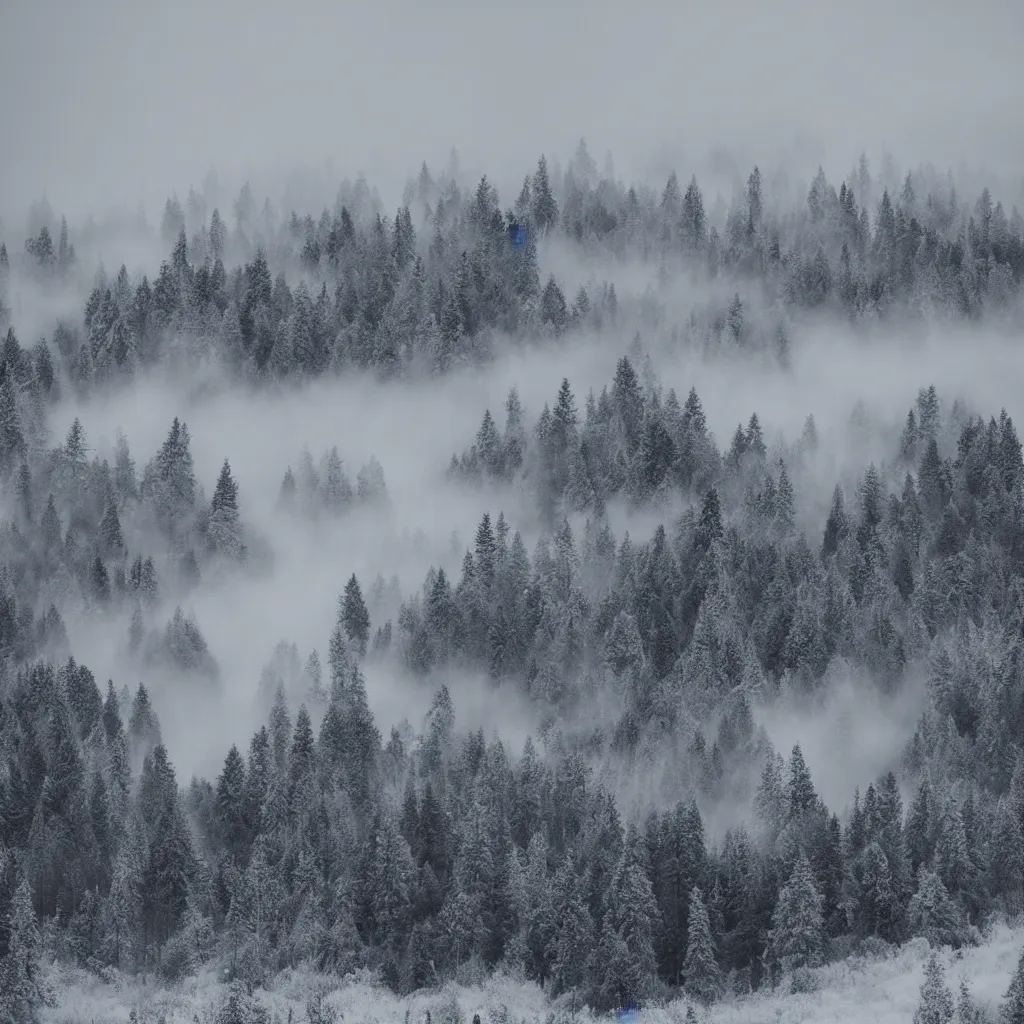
{"x":412,"y":428}
{"x":107,"y":114}
{"x":642,"y":503}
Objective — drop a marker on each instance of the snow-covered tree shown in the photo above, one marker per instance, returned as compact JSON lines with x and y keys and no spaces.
{"x":702,"y":975}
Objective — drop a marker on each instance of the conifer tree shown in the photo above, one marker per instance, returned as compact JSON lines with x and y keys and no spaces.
{"x":802,"y":797}
{"x":967,"y":1011}
{"x":701,"y":973}
{"x":22,"y":989}
{"x":1012,"y":1010}
{"x":796,"y":940}
{"x":932,"y":913}
{"x":936,"y":1002}
{"x":12,"y":439}
{"x":256,"y":906}
{"x":355,"y":616}
{"x":110,"y":530}
{"x":543,"y":208}
{"x":231,"y":806}
{"x":225,"y":527}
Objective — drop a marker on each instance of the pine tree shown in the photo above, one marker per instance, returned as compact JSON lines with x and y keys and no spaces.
{"x":388,"y":875}
{"x":313,"y":673}
{"x":232,"y":814}
{"x":932,"y":913}
{"x":355,"y":616}
{"x":952,"y":857}
{"x":336,"y":489}
{"x":1012,"y":1010}
{"x":12,"y":440}
{"x":936,"y":1003}
{"x":225,"y":526}
{"x":99,"y":582}
{"x":632,"y":916}
{"x":287,"y":496}
{"x":22,"y":989}
{"x":136,"y":630}
{"x":111,"y":538}
{"x":256,"y":906}
{"x":123,"y":906}
{"x":24,"y":490}
{"x":338,"y":658}
{"x":701,"y":973}
{"x":797,"y":937}
{"x":301,"y":757}
{"x":543,"y":208}
{"x":574,"y":935}
{"x":694,"y":222}
{"x":170,"y":863}
{"x":802,"y":797}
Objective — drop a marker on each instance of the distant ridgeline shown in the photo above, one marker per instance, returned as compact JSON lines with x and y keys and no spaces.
{"x":432,"y":854}
{"x":441,"y":282}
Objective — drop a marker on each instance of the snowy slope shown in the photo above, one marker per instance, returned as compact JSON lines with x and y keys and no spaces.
{"x":881,"y":991}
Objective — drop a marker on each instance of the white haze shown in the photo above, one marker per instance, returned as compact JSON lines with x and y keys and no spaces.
{"x":412,"y":429}
{"x":118,"y":104}
{"x":115,"y":102}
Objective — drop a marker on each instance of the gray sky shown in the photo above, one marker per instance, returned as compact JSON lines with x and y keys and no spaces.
{"x":120,"y":100}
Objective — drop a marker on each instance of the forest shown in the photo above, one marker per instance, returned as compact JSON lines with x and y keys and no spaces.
{"x":648,"y":842}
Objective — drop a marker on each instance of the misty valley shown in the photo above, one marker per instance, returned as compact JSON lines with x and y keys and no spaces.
{"x":512,"y":609}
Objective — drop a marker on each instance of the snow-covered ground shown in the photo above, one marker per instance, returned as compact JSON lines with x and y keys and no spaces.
{"x":877,"y":990}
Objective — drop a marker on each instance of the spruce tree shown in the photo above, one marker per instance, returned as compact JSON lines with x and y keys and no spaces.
{"x":802,"y":797}
{"x":543,"y":208}
{"x":1012,"y":1010}
{"x":111,"y":538}
{"x":22,"y":989}
{"x":932,"y":913}
{"x":936,"y":1002}
{"x":967,"y":1011}
{"x":231,"y":806}
{"x":355,"y":616}
{"x":796,"y":940}
{"x":99,"y":582}
{"x":701,"y":973}
{"x":225,"y":526}
{"x":12,"y":440}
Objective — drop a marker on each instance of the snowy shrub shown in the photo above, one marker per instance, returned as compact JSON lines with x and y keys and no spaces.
{"x":320,"y":1012}
{"x":447,"y":1010}
{"x":874,"y":948}
{"x":498,"y":1014}
{"x":241,"y":1007}
{"x":803,"y":980}
{"x":177,"y":959}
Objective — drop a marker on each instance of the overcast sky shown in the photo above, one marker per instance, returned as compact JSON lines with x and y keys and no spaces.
{"x":125,"y":100}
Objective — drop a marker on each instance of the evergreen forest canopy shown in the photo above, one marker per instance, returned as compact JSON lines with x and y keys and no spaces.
{"x":584,"y":860}
{"x":439,"y":284}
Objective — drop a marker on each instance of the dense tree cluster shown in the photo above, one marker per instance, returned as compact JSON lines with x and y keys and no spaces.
{"x":85,"y":536}
{"x":431,"y":853}
{"x":295,"y":297}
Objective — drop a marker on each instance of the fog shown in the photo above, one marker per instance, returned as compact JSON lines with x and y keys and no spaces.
{"x":413,"y":428}
{"x":670,"y":671}
{"x":113,"y":102}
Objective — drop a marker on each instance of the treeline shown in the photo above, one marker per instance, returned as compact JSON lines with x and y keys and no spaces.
{"x":433,"y":855}
{"x":433,"y":286}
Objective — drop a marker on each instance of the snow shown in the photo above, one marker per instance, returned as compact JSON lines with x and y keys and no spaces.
{"x":880,"y":990}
